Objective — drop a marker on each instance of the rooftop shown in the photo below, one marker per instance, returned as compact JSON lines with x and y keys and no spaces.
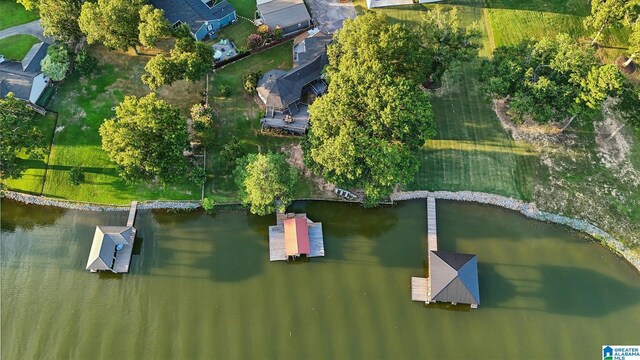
{"x":283,"y":13}
{"x":192,"y":12}
{"x":453,"y":277}
{"x":112,"y":248}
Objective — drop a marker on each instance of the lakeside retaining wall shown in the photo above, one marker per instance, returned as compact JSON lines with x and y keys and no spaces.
{"x":527,"y":209}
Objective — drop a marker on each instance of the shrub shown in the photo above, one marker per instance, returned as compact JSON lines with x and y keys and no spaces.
{"x":263,"y":31}
{"x":277,"y":33}
{"x":56,"y":64}
{"x":225,"y":91}
{"x":208,"y":204}
{"x":76,"y":176}
{"x":85,"y":62}
{"x":232,"y":151}
{"x":254,"y":41}
{"x":198,"y":175}
{"x":250,"y":81}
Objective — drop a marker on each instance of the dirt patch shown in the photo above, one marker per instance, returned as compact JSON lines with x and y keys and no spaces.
{"x":614,"y":146}
{"x":295,"y":158}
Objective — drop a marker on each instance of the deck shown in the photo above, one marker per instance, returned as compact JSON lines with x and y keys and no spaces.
{"x":298,"y":124}
{"x":432,"y":231}
{"x":123,"y":260}
{"x":276,"y":238}
{"x":419,"y":289}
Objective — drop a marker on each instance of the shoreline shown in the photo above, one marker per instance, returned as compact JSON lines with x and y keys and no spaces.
{"x":527,"y":209}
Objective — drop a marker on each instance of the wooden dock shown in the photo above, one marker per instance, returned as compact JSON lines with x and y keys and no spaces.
{"x":132,"y":213}
{"x":419,"y":289}
{"x":432,"y":231}
{"x":123,"y":260}
{"x":276,"y":238}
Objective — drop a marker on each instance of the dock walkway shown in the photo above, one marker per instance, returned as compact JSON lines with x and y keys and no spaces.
{"x":132,"y":213}
{"x":418,"y":289}
{"x":432,"y":231}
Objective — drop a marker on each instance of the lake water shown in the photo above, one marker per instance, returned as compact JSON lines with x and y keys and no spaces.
{"x":202,"y":287}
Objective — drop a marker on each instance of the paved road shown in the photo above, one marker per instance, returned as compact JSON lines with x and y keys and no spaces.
{"x":32,"y":28}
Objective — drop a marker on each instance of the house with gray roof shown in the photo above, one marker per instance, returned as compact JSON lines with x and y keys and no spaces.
{"x":281,"y":91}
{"x":289,"y":15}
{"x":24,"y":78}
{"x":203,"y":17}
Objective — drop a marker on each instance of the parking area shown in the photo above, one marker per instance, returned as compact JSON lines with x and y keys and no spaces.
{"x":329,"y":14}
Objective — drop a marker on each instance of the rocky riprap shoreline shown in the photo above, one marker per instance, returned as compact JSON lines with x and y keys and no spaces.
{"x":529,"y":210}
{"x":44,"y":201}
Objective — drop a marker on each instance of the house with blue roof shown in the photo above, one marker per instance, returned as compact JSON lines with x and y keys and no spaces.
{"x":203,"y":17}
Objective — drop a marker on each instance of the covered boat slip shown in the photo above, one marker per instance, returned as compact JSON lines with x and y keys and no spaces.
{"x":112,"y":246}
{"x":453,"y":277}
{"x":295,"y":235}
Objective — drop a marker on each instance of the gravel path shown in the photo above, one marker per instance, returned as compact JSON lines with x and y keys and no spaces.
{"x":33,"y":28}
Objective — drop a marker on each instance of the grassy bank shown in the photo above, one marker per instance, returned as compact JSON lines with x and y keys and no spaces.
{"x":82,"y":104}
{"x":16,"y":46}
{"x":239,"y":115}
{"x":14,"y":14}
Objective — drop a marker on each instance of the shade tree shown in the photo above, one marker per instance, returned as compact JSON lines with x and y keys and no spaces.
{"x":265,"y":182}
{"x":146,"y":139}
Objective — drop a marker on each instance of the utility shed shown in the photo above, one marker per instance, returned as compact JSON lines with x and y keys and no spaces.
{"x":111,"y":249}
{"x":289,"y":15}
{"x":453,"y":278}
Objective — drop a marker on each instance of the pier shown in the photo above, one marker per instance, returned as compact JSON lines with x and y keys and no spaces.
{"x":112,"y":246}
{"x":295,"y":235}
{"x":452,"y":277}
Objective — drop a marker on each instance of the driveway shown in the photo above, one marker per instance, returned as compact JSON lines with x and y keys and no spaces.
{"x":329,"y":14}
{"x":32,"y":28}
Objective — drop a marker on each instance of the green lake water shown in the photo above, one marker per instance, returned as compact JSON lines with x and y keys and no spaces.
{"x":202,"y":287}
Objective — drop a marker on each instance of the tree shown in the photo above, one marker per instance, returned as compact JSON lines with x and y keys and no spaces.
{"x":56,"y":64}
{"x":189,"y":60}
{"x":628,"y":105}
{"x":20,"y":132}
{"x":146,"y":140}
{"x":59,"y":18}
{"x":553,"y":79}
{"x":232,"y":151}
{"x":634,"y":42}
{"x":30,"y":4}
{"x":446,"y":45}
{"x":605,"y":14}
{"x":160,"y":71}
{"x":85,"y":62}
{"x":208,"y":204}
{"x":250,"y":81}
{"x":114,"y":23}
{"x":366,"y":130}
{"x":264,"y":180}
{"x":370,"y":42}
{"x":153,"y":26}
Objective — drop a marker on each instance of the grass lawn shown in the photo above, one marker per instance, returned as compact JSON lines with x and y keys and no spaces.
{"x":238,"y":33}
{"x":13,"y":14}
{"x":471,"y":151}
{"x":239,"y":115}
{"x":246,"y":8}
{"x":32,"y":179}
{"x":16,"y":46}
{"x":83,"y":104}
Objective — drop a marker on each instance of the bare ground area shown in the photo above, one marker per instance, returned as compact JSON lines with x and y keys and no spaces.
{"x":295,"y":158}
{"x":585,"y":174}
